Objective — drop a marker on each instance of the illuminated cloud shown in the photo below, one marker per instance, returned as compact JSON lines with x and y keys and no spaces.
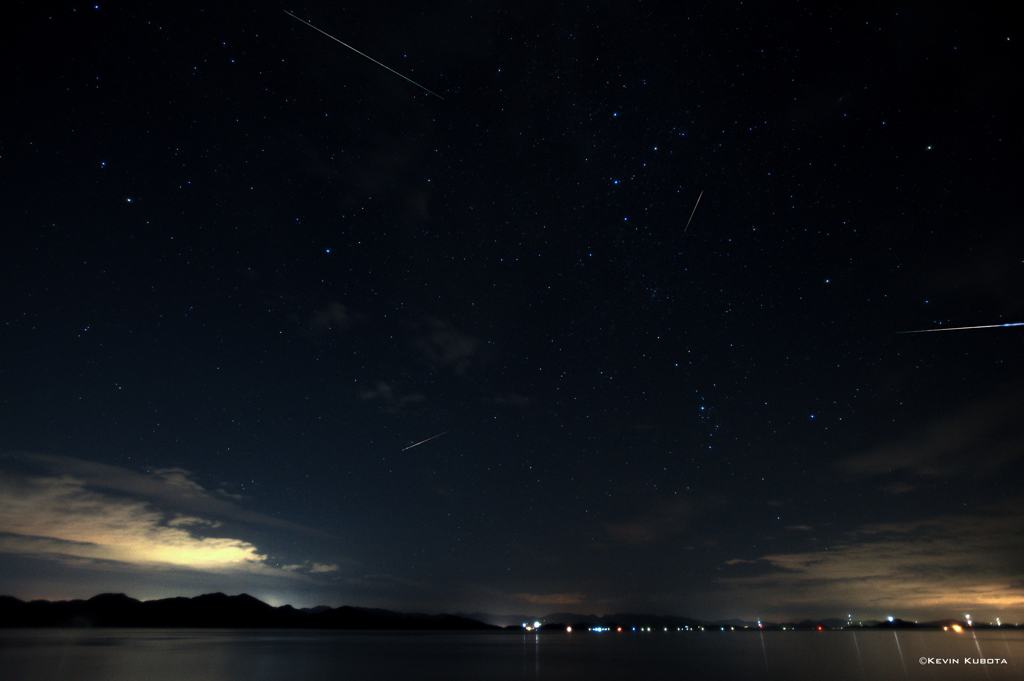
{"x":179,"y":477}
{"x":318,"y":568}
{"x":84,"y":513}
{"x":938,"y":565}
{"x":166,"y":488}
{"x":312,"y":568}
{"x":550,"y":599}
{"x":60,"y":517}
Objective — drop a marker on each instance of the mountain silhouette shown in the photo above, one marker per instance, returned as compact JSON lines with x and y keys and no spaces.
{"x":215,"y":610}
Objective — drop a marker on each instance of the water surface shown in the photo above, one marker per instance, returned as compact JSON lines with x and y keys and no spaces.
{"x":258,"y":655}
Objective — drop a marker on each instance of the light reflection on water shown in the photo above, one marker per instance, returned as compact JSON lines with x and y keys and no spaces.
{"x":257,"y":655}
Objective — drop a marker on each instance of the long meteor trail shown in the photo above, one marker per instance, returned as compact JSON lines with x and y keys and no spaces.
{"x":692,"y":212}
{"x":361,"y":54}
{"x":427,"y":440}
{"x":964,"y":328}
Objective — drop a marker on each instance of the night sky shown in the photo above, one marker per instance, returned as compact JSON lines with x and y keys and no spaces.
{"x":244,"y":268}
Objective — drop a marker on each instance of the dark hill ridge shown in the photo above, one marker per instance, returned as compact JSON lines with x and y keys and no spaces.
{"x":213,"y":611}
{"x":219,"y":611}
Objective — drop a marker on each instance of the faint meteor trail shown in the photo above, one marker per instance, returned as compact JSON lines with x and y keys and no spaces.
{"x":361,"y":54}
{"x":427,"y":440}
{"x":692,"y":212}
{"x":964,"y":328}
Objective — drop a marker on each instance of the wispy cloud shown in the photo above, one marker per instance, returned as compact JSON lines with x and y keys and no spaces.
{"x":334,"y":317}
{"x":946,"y":562}
{"x":81,"y":512}
{"x":391,"y":398}
{"x":59,"y":516}
{"x":663,"y":522}
{"x":312,"y":568}
{"x":897,"y":488}
{"x":442,"y":345}
{"x":180,"y":478}
{"x":168,"y":488}
{"x":982,"y":435}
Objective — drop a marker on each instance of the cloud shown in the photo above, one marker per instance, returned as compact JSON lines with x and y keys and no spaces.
{"x":983,"y":435}
{"x":443,"y":345}
{"x":942,"y":564}
{"x":318,"y":568}
{"x":179,"y":477}
{"x":334,"y":317}
{"x":169,"y":488}
{"x":59,"y":516}
{"x":667,"y":520}
{"x":897,"y":488}
{"x":393,"y":402}
{"x":83,"y":513}
{"x":182,"y":521}
{"x":313,"y":569}
{"x":230,"y":495}
{"x":550,"y":599}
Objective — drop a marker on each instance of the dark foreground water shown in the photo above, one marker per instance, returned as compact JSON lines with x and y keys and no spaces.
{"x":219,"y":655}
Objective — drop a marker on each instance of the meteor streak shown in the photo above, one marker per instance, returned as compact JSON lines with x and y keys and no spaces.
{"x":361,"y":54}
{"x":964,"y":328}
{"x":692,"y":212}
{"x":427,"y":440}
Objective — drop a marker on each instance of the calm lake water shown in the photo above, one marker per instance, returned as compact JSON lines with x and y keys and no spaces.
{"x":229,"y":655}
